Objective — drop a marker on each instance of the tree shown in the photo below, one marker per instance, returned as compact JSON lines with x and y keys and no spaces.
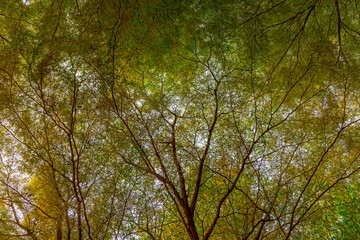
{"x":176,"y":120}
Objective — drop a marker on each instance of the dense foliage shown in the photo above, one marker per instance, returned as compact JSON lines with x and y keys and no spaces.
{"x":150,"y":119}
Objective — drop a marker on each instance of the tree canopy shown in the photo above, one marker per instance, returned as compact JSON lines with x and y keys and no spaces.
{"x":150,"y":119}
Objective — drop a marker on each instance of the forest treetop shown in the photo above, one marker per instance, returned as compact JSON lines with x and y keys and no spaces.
{"x":150,"y":119}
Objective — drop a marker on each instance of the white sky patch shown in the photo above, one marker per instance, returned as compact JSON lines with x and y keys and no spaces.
{"x":26,"y":2}
{"x":139,"y":103}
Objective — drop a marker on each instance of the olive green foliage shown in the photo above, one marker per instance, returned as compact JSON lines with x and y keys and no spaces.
{"x":153,"y":119}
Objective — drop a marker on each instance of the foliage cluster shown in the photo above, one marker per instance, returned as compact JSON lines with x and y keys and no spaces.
{"x":150,"y":119}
